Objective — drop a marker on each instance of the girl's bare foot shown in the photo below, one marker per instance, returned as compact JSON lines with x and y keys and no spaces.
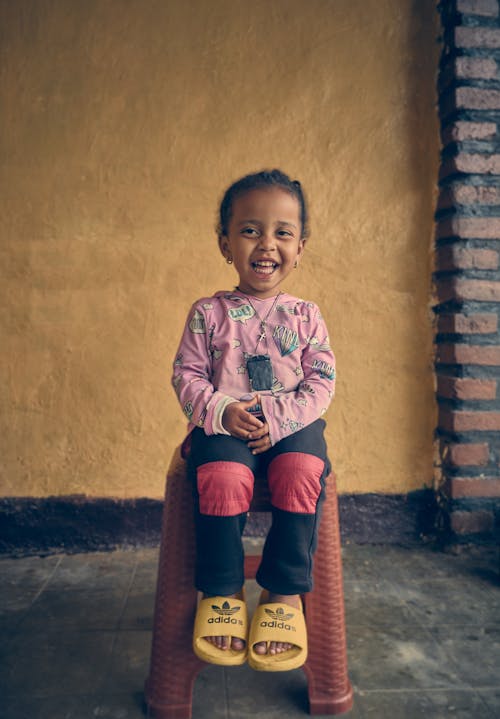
{"x":225,"y":642}
{"x":292,"y":600}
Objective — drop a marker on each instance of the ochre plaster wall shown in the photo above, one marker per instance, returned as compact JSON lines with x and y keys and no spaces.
{"x":122,"y":123}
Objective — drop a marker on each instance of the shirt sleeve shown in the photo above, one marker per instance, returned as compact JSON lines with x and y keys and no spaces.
{"x":289,"y":412}
{"x":202,"y":404}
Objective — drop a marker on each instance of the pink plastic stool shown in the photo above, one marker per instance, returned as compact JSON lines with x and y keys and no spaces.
{"x":174,"y":666}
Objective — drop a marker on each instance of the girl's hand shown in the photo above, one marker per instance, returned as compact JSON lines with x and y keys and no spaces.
{"x":260,"y":440}
{"x":238,"y":421}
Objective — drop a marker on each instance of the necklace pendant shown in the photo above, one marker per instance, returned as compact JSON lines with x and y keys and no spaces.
{"x":263,"y":322}
{"x":262,"y":335}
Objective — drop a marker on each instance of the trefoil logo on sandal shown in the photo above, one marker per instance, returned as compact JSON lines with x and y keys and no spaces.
{"x":280,"y":620}
{"x":225,"y":613}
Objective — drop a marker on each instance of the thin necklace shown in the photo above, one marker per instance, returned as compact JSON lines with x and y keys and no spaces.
{"x":263,"y":322}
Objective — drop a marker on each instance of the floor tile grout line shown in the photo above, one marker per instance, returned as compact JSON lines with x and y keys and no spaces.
{"x":227,"y":711}
{"x":48,"y":580}
{"x":116,"y":632}
{"x":432,"y":690}
{"x":452,"y":661}
{"x":21,"y":619}
{"x":466,"y":682}
{"x":127,"y":593}
{"x":484,"y":703}
{"x":423,"y":580}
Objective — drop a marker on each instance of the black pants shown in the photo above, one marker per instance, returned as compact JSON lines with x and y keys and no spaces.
{"x":222,"y":470}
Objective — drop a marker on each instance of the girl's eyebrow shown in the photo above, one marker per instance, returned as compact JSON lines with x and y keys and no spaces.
{"x":259,"y":222}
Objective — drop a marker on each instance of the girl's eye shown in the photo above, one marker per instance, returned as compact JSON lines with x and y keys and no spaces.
{"x":250,"y":232}
{"x":284,"y":233}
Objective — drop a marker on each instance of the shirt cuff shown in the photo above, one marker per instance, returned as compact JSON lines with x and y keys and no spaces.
{"x":217,"y":425}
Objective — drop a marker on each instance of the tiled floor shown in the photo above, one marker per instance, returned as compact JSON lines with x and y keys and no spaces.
{"x":423,"y":635}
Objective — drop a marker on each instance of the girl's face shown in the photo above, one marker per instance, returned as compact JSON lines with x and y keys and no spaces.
{"x":264,"y":239}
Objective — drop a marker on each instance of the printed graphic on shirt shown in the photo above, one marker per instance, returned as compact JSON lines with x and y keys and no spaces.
{"x":307,"y":388}
{"x":325,"y":370}
{"x":179,"y":360}
{"x":241,"y":314}
{"x":188,"y":410}
{"x":277,"y":386}
{"x":285,"y":339}
{"x":215,"y":352}
{"x":256,"y":409}
{"x":236,"y":343}
{"x":288,"y":310}
{"x":208,"y":306}
{"x":197,"y":324}
{"x":292,"y":424}
{"x":320,"y":346}
{"x":176,"y":382}
{"x":211,"y":331}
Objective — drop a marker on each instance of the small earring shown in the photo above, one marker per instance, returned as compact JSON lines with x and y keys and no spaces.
{"x":229,"y":260}
{"x":295,"y":265}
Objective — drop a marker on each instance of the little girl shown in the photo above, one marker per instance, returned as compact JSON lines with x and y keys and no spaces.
{"x":254,"y":373}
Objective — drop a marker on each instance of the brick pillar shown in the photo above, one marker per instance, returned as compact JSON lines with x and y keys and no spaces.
{"x":467,"y":267}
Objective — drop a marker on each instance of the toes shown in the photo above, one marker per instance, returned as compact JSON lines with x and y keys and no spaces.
{"x":237,"y":644}
{"x":260,"y":648}
{"x":219,"y":642}
{"x":223,"y":643}
{"x":274,"y":648}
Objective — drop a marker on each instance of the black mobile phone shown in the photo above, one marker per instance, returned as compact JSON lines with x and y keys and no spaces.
{"x":260,"y":371}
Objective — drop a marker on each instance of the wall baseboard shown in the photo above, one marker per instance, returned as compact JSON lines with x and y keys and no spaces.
{"x":73,"y":524}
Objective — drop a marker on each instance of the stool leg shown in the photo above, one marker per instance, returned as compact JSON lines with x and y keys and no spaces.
{"x":173,"y":668}
{"x":329,"y":689}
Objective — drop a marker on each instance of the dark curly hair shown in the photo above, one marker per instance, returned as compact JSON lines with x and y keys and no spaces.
{"x":259,"y":180}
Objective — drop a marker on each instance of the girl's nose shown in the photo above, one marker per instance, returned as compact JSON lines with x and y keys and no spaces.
{"x":267,"y":241}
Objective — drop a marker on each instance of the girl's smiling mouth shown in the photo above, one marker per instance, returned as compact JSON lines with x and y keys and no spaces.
{"x":264,"y":267}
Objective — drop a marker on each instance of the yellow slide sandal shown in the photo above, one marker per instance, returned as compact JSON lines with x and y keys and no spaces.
{"x":219,"y":617}
{"x":277,"y":622}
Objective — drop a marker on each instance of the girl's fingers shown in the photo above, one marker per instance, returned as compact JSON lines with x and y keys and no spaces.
{"x":251,"y":431}
{"x":247,"y":417}
{"x":262,"y":432}
{"x":242,"y":426}
{"x":260,"y":445}
{"x":260,"y":450}
{"x":260,"y":442}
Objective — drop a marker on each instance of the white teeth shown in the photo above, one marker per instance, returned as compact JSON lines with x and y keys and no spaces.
{"x":264,"y":267}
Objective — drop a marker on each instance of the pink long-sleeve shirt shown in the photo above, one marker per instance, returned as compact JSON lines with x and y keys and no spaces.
{"x":223,"y":331}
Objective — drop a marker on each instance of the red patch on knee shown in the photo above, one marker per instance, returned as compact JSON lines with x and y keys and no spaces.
{"x":225,"y":488}
{"x":294,"y":481}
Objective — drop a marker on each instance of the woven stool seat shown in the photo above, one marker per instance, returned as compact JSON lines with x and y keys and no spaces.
{"x":174,"y":666}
